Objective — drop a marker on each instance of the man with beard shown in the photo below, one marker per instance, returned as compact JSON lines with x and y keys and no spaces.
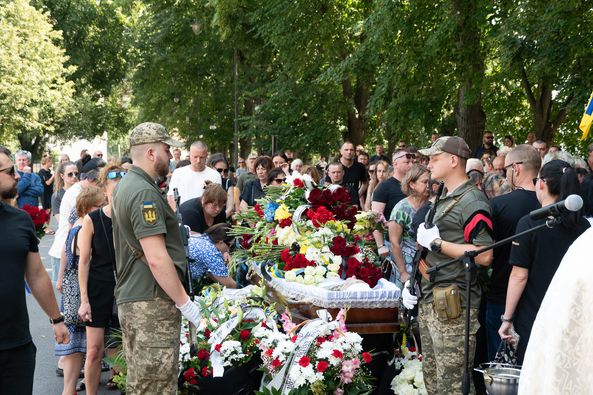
{"x":151,"y":265}
{"x":20,"y":259}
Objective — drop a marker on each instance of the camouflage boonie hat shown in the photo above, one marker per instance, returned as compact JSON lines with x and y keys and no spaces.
{"x":450,"y":144}
{"x":150,"y":132}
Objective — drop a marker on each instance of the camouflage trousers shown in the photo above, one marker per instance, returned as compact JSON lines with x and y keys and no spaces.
{"x":442,"y":347}
{"x":151,"y":345}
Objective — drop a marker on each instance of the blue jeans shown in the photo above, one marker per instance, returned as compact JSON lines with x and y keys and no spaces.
{"x":493,"y":313}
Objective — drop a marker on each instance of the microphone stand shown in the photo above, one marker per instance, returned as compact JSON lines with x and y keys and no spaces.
{"x":469,"y":263}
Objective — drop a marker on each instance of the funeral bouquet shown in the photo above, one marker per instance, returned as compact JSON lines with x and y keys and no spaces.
{"x":310,"y":234}
{"x":409,"y":380}
{"x":39,"y":217}
{"x":224,"y":337}
{"x":317,"y":357}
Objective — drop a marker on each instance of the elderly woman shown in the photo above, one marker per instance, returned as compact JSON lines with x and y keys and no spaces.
{"x":203,"y":212}
{"x":96,"y":277}
{"x":536,"y":256}
{"x":403,"y":244}
{"x":210,"y":253}
{"x":254,"y":189}
{"x":296,"y":166}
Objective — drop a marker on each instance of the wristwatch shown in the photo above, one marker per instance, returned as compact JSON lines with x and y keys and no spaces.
{"x":54,"y":321}
{"x":503,"y":319}
{"x":435,"y":245}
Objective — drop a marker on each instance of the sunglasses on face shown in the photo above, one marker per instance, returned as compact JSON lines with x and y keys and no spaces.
{"x":407,"y":156}
{"x":72,"y":174}
{"x":112,"y":175}
{"x":8,"y":170}
{"x":279,"y":180}
{"x":221,"y":170}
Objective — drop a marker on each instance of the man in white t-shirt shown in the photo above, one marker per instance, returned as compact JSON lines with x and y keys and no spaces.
{"x":189,"y":180}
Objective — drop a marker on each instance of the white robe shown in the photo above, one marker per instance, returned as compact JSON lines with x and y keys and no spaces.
{"x":559,"y":356}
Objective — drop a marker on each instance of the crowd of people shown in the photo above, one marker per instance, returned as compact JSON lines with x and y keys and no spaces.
{"x":117,"y":240}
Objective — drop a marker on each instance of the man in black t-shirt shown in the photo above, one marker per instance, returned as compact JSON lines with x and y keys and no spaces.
{"x":20,"y":259}
{"x":389,"y":192}
{"x":521,"y":165}
{"x":355,"y":178}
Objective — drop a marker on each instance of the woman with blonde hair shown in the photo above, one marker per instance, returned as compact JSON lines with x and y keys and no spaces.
{"x":403,"y":243}
{"x":89,"y":199}
{"x":96,"y":278}
{"x":378,"y":172}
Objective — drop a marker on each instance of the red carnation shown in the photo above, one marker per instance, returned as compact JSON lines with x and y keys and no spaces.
{"x":314,"y":196}
{"x":276,"y":363}
{"x":304,"y":361}
{"x":258,"y":210}
{"x":189,"y":374}
{"x":337,"y":354}
{"x":322,"y":366}
{"x":294,"y":338}
{"x":203,"y":354}
{"x":269,"y":352}
{"x":338,"y":245}
{"x":206,"y":372}
{"x":367,"y":358}
{"x":244,"y":334}
{"x":298,"y":183}
{"x":218,"y":347}
{"x":285,"y":256}
{"x":207,"y":333}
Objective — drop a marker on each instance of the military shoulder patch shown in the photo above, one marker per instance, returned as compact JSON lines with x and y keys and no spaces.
{"x":149,"y":213}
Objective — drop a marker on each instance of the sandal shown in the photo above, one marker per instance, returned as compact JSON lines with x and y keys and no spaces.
{"x":110,"y":385}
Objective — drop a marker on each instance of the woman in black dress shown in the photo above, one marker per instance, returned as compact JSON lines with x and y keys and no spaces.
{"x":536,"y":256}
{"x":96,"y":276}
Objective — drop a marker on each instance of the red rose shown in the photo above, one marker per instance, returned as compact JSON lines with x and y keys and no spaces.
{"x":218,"y":347}
{"x":320,"y":340}
{"x":412,"y":349}
{"x":258,"y":210}
{"x":367,"y":358}
{"x":338,"y":245}
{"x":322,"y":366}
{"x":337,"y":354}
{"x":269,"y":352}
{"x":207,"y":333}
{"x":189,"y":374}
{"x":276,"y":363}
{"x":244,"y":334}
{"x":299,"y":261}
{"x":285,"y":222}
{"x":285,"y":256}
{"x":203,"y":354}
{"x":314,"y":196}
{"x":304,"y":361}
{"x":298,"y":183}
{"x":206,"y":372}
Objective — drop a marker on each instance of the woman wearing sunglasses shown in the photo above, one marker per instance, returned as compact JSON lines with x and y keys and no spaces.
{"x":96,"y":277}
{"x":210,"y":255}
{"x":276,"y":177}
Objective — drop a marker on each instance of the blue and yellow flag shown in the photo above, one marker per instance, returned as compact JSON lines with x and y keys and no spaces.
{"x":587,"y":118}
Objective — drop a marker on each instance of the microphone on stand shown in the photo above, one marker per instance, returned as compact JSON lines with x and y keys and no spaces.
{"x":571,"y":203}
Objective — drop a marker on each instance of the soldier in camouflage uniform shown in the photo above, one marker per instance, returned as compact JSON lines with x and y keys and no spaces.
{"x":462,"y":222}
{"x":151,"y":264}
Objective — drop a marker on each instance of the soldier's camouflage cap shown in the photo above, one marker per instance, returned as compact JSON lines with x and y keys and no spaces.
{"x":450,"y":144}
{"x":150,"y":132}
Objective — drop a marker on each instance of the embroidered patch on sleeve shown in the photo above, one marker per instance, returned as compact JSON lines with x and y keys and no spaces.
{"x":149,"y":213}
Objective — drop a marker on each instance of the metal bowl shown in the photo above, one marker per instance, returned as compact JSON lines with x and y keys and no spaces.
{"x":500,"y":379}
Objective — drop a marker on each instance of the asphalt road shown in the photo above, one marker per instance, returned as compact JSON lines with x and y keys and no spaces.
{"x":46,"y":382}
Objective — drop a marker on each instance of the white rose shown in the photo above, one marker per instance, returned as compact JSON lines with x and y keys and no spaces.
{"x":290,"y":276}
{"x":333,"y":268}
{"x":320,"y":270}
{"x":310,"y":270}
{"x":337,"y":260}
{"x":309,"y":279}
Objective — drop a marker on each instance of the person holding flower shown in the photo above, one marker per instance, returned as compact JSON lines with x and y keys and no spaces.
{"x":210,"y":253}
{"x":403,"y":244}
{"x":96,"y":277}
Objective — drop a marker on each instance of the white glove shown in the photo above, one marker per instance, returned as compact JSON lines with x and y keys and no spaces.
{"x":191,"y":311}
{"x":426,"y":236}
{"x":408,"y":300}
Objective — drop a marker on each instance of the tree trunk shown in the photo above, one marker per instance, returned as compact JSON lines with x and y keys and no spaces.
{"x":471,"y":119}
{"x":32,"y":143}
{"x":545,"y":123}
{"x":356,"y":115}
